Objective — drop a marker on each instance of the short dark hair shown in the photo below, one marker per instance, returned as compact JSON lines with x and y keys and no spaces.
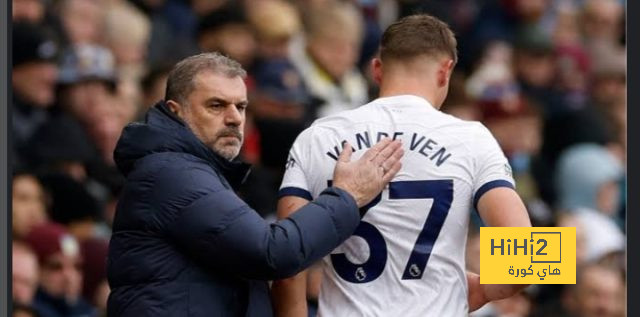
{"x":416,"y":35}
{"x":180,"y":82}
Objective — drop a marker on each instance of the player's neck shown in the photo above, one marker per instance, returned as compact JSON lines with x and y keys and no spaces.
{"x":398,"y":87}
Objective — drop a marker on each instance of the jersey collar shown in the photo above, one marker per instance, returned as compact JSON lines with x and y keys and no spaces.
{"x":407,"y":101}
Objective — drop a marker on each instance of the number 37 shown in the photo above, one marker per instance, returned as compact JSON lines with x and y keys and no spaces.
{"x":441,"y":191}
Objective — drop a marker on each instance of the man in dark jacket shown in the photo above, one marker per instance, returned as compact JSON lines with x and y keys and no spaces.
{"x":183,"y":243}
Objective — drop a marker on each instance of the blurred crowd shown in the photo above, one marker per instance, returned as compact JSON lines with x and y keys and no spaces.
{"x":547,"y":77}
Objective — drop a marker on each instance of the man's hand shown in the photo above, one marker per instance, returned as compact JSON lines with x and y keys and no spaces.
{"x":480,"y":294}
{"x":477,"y":297}
{"x":366,"y":177}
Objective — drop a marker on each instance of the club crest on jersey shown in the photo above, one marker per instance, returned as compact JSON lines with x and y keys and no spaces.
{"x":291,"y":162}
{"x":360,"y":274}
{"x":414,"y":270}
{"x":507,"y":169}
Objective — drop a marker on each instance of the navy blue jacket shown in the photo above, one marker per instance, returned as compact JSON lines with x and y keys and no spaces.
{"x":184,"y":244}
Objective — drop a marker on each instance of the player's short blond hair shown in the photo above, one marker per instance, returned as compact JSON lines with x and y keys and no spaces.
{"x":417,"y":35}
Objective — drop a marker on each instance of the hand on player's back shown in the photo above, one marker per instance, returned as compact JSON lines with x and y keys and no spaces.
{"x":366,"y":177}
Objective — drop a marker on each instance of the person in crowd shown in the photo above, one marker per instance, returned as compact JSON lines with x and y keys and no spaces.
{"x":82,"y":20}
{"x":276,"y":23}
{"x":328,"y":55}
{"x":28,"y":10}
{"x":33,"y":79}
{"x":598,"y":292}
{"x":60,"y":289}
{"x":588,"y":177}
{"x":226,"y":30}
{"x":24,"y":273}
{"x":28,"y":204}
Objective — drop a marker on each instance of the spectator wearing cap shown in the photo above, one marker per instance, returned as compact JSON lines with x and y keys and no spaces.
{"x":72,"y":141}
{"x":85,"y":83}
{"x":88,"y":84}
{"x":59,"y":292}
{"x":87,"y":78}
{"x":33,"y":79}
{"x":327,"y":59}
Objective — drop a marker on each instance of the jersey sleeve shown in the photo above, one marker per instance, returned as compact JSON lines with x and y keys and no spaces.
{"x":492,"y":168}
{"x":295,"y":181}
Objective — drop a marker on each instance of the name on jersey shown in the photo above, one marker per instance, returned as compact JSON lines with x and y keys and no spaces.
{"x":427,"y":147}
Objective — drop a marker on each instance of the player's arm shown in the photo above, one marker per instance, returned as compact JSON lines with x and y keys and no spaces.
{"x":498,"y":207}
{"x":289,"y":295}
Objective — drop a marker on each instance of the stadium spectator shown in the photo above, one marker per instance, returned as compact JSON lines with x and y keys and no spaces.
{"x":602,"y":21}
{"x":598,"y":292}
{"x":33,"y":79}
{"x":327,"y":57}
{"x":275,"y":23}
{"x":24,"y":273}
{"x":28,"y":207}
{"x":28,"y":10}
{"x":227,"y":31}
{"x":126,"y":34}
{"x":82,"y":20}
{"x":60,"y":277}
{"x":588,"y":177}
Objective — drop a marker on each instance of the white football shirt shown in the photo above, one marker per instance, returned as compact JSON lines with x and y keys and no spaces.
{"x":407,"y":257}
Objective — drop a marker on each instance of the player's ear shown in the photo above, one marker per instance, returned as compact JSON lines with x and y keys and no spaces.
{"x":444,"y":72}
{"x":376,"y":70}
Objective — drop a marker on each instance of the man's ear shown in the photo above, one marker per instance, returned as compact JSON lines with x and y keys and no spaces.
{"x":444,"y":72}
{"x":175,"y":108}
{"x":376,"y":70}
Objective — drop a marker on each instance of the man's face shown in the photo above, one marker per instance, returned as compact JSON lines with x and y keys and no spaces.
{"x":337,"y":54}
{"x":82,"y":20}
{"x":24,"y":276}
{"x":28,"y":205}
{"x":28,"y":10}
{"x":35,"y":82}
{"x":82,"y":99}
{"x":600,"y":294}
{"x":61,"y":276}
{"x":216,"y":112}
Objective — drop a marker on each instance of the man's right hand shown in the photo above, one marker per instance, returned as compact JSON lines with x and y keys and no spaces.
{"x":366,"y":177}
